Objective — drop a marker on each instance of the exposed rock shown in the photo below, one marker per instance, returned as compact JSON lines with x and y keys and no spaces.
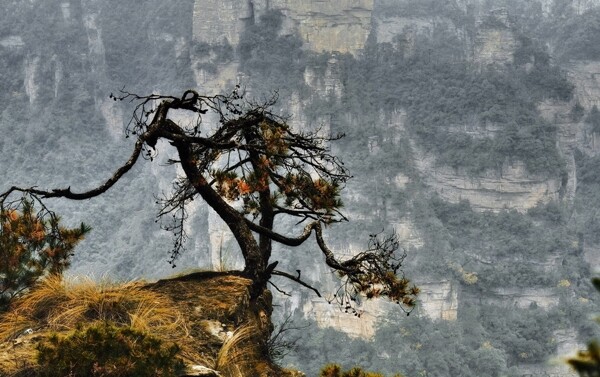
{"x":438,"y":300}
{"x":324,"y":25}
{"x":586,"y":77}
{"x":216,"y":21}
{"x":113,"y":117}
{"x":408,"y":235}
{"x":222,"y":245}
{"x":326,"y":84}
{"x":402,"y":32}
{"x":97,"y":64}
{"x":572,"y":135}
{"x":591,"y":254}
{"x":390,"y":28}
{"x":523,"y":298}
{"x":401,"y":180}
{"x":225,"y":77}
{"x":12,"y":41}
{"x":579,"y":6}
{"x":495,"y":42}
{"x":511,"y":188}
{"x":65,"y":8}
{"x":476,"y":129}
{"x":32,"y":87}
{"x":348,"y":322}
{"x":216,"y":305}
{"x":566,"y":342}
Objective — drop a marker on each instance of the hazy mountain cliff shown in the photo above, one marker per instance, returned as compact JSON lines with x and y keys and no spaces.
{"x":470,"y":131}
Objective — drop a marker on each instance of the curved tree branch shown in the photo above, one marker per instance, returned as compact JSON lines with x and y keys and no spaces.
{"x":288,"y":241}
{"x":297,"y":280}
{"x":68,"y":194}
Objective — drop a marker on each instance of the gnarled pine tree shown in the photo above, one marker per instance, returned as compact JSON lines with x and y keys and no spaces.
{"x":251,"y":169}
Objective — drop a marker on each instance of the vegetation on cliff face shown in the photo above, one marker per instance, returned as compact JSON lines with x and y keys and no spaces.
{"x":435,"y":82}
{"x":45,"y":112}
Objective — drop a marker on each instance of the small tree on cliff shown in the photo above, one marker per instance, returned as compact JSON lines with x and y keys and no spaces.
{"x":251,"y":169}
{"x":32,"y":245}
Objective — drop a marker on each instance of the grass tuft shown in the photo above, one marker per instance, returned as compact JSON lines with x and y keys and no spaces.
{"x":57,"y":305}
{"x":235,"y":357}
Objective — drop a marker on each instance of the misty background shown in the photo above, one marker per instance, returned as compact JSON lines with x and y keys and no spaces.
{"x":471,"y":131}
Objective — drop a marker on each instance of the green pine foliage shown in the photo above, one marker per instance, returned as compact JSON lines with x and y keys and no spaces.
{"x":106,"y":350}
{"x":32,"y":245}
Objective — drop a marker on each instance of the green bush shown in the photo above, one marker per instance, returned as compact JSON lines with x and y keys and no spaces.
{"x":334,"y":370}
{"x":106,"y":350}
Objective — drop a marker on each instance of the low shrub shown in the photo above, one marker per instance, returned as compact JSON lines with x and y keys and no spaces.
{"x":334,"y":370}
{"x":103,"y":349}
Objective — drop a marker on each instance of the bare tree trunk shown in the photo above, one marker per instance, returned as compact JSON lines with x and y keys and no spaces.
{"x":255,"y":261}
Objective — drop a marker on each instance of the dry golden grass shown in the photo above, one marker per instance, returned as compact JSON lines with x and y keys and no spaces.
{"x":61,"y":305}
{"x":218,"y":294}
{"x":57,"y":304}
{"x":235,"y":356}
{"x":159,"y":309}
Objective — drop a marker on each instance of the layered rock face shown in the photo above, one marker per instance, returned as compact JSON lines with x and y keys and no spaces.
{"x":218,"y":21}
{"x":512,"y":188}
{"x":495,"y":41}
{"x":323,"y":25}
{"x":439,"y":300}
{"x":585,"y":75}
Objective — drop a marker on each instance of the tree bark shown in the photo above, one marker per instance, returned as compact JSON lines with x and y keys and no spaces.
{"x":255,"y":263}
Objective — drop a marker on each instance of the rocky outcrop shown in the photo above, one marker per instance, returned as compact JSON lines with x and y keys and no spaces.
{"x":511,"y":188}
{"x":524,"y":298}
{"x":477,"y":7}
{"x":220,"y":21}
{"x":438,"y":300}
{"x":327,"y":83}
{"x":32,"y":87}
{"x":408,"y":234}
{"x":218,"y":309}
{"x":323,"y":25}
{"x":360,"y":324}
{"x":585,"y":75}
{"x":495,"y":42}
{"x":388,"y":29}
{"x":591,"y":254}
